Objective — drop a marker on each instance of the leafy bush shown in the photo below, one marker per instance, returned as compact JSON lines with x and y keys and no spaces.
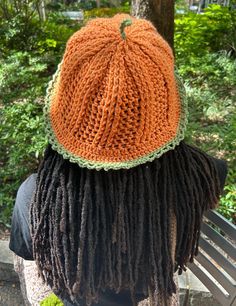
{"x":22,"y":143}
{"x":210,"y":86}
{"x":210,"y":83}
{"x":55,"y":36}
{"x":30,"y":50}
{"x":19,"y":34}
{"x":23,"y":75}
{"x":80,"y":5}
{"x":228,"y":202}
{"x":105,"y":12}
{"x":198,"y":34}
{"x":36,"y":36}
{"x":25,"y":33}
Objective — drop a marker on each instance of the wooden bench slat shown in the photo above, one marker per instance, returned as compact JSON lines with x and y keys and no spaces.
{"x":218,"y":257}
{"x":217,"y":274}
{"x":228,"y":227}
{"x":219,"y":240}
{"x":234,"y":302}
{"x":213,"y":288}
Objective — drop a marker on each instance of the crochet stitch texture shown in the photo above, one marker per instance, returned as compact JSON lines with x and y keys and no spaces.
{"x":115,"y":103}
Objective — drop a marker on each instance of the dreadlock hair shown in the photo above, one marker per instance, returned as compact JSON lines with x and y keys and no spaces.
{"x":96,"y":230}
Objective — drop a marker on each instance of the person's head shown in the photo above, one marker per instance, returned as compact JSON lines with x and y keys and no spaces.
{"x":117,"y":173}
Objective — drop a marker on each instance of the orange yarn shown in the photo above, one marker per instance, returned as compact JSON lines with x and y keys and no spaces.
{"x":114,"y":100}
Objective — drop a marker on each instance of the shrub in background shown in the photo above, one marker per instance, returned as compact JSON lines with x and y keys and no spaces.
{"x":105,"y":12}
{"x":210,"y":86}
{"x":205,"y":46}
{"x":23,"y":75}
{"x":22,"y":143}
{"x":30,"y":50}
{"x":22,"y":29}
{"x":198,"y":34}
{"x":19,"y":34}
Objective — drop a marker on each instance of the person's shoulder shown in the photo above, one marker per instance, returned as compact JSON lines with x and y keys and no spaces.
{"x":26,"y":190}
{"x":222,"y":169}
{"x":27,"y":186}
{"x":219,"y":164}
{"x":20,"y":238}
{"x":28,"y":183}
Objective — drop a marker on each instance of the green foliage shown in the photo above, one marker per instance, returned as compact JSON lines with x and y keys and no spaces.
{"x":26,"y":8}
{"x":23,"y":75}
{"x":55,"y":36}
{"x":181,"y":5}
{"x":89,"y":5}
{"x":22,"y":143}
{"x":20,"y":25}
{"x":35,"y":36}
{"x":27,"y":32}
{"x":82,"y":5}
{"x":228,"y":202}
{"x":198,"y":34}
{"x":209,"y":76}
{"x":19,"y":33}
{"x":30,"y":50}
{"x":210,"y":86}
{"x":105,"y":12}
{"x":51,"y":300}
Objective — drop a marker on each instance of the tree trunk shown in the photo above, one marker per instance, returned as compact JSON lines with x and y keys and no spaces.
{"x":160,"y":13}
{"x":42,"y":11}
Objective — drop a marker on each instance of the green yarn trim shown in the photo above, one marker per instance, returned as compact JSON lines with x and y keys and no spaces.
{"x":51,"y":300}
{"x":84,"y":163}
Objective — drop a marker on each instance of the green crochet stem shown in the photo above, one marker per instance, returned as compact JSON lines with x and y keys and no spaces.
{"x":125,"y":23}
{"x":99,"y":165}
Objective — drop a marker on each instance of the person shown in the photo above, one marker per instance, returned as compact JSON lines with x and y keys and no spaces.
{"x":116,"y":206}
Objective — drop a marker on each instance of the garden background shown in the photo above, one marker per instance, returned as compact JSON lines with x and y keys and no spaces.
{"x":32,"y":42}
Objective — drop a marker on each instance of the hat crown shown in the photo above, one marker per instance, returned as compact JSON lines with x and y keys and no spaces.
{"x":114,"y":102}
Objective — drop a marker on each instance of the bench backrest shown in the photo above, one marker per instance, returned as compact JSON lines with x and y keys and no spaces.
{"x":215,"y":265}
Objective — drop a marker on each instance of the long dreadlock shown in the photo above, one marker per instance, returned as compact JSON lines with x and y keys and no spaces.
{"x":94,"y":230}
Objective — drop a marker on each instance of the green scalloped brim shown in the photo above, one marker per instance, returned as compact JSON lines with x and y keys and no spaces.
{"x":99,"y":165}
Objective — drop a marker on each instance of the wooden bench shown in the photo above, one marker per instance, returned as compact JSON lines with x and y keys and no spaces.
{"x":215,"y":264}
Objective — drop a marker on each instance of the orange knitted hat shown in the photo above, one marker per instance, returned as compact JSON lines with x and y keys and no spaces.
{"x":114,"y":102}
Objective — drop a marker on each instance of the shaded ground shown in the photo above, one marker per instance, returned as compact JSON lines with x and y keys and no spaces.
{"x":10,"y":294}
